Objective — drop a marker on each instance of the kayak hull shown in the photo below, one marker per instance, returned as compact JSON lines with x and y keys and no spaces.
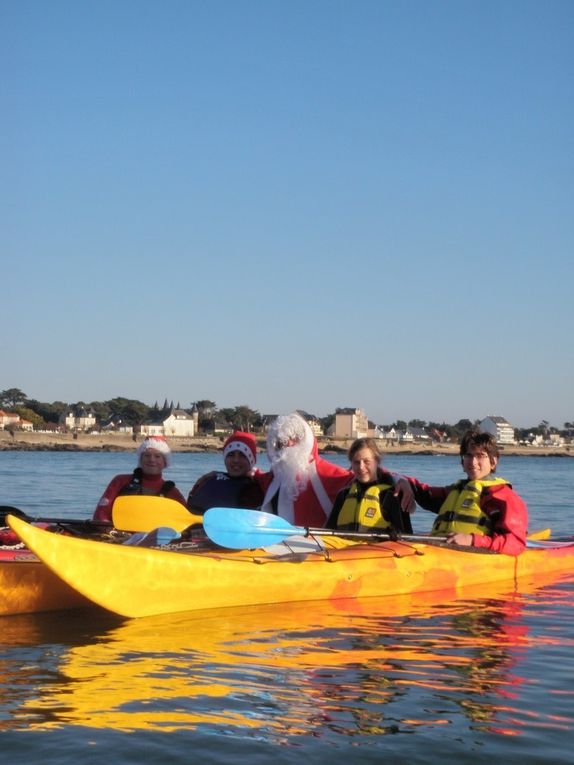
{"x":28,"y":586}
{"x":138,"y":581}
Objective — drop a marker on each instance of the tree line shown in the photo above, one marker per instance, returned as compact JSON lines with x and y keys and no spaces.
{"x":211,"y":418}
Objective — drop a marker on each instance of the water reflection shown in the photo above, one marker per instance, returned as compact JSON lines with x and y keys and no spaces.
{"x":350,"y":668}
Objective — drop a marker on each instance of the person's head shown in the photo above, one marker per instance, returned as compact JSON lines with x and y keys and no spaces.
{"x":153,"y":455}
{"x":365,"y":458}
{"x":478,"y":454}
{"x":239,"y":454}
{"x":290,"y":447}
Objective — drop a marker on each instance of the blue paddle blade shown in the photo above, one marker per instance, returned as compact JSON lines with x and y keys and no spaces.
{"x":241,"y":529}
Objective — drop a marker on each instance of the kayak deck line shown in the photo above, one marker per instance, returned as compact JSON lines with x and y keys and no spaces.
{"x":150,"y":581}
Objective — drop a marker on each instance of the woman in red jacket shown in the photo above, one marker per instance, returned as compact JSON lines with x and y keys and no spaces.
{"x":153,"y":457}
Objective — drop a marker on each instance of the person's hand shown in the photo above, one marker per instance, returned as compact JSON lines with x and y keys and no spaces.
{"x":463,"y":540}
{"x":404,"y":491}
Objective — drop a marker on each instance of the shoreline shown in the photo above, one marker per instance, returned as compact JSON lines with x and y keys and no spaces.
{"x":121,"y":442}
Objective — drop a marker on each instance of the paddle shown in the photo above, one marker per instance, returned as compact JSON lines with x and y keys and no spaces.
{"x":141,"y":512}
{"x":84,"y":522}
{"x":241,"y":529}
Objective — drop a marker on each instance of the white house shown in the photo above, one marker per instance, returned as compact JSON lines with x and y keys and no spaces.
{"x":178,"y":424}
{"x":500,"y":428}
{"x":8,"y":419}
{"x":77,"y":419}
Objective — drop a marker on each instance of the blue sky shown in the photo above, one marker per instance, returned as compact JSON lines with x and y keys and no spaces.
{"x":290,"y":204}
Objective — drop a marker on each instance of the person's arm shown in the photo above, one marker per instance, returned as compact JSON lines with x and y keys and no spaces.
{"x":510,"y":516}
{"x":251,"y":496}
{"x":428,"y":497}
{"x":393,"y":512}
{"x":103,"y":511}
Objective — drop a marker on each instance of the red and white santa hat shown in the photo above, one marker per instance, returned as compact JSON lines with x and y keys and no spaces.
{"x":244,"y":443}
{"x":154,"y":442}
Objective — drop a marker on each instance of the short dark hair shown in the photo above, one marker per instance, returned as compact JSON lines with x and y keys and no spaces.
{"x":478,"y":440}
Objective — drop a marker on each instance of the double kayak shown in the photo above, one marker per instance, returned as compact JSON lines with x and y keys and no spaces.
{"x":141,"y":581}
{"x":27,"y":586}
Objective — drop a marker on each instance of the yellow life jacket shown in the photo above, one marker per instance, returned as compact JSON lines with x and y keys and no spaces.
{"x":361,"y":511}
{"x":461,"y":511}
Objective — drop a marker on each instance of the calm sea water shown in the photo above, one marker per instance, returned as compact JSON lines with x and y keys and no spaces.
{"x":488,"y":677}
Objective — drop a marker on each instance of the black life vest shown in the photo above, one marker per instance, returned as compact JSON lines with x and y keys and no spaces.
{"x":135,"y":486}
{"x":219,"y":490}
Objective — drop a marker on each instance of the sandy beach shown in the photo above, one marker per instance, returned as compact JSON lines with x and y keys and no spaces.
{"x":117,"y":442}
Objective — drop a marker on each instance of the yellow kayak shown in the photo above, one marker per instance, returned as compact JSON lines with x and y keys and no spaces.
{"x":27,"y":586}
{"x":140,"y":581}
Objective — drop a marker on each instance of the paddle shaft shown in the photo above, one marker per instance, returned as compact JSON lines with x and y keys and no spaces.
{"x":7,"y":510}
{"x":306,"y":531}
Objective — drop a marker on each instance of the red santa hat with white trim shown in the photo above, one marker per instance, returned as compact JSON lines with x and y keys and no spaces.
{"x":154,"y":442}
{"x":244,"y":443}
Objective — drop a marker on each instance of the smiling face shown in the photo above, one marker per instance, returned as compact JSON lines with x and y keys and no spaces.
{"x":237,"y":464}
{"x":477,"y":464}
{"x":364,"y":465}
{"x":152,"y":462}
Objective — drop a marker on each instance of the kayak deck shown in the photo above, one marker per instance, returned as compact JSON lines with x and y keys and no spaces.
{"x":136,"y":581}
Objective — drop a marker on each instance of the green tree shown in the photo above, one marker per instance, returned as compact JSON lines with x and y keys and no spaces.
{"x":326,"y":422}
{"x":130,"y":411}
{"x":29,"y":414}
{"x":206,"y":415}
{"x":246,"y":419}
{"x":12,"y":397}
{"x":48,"y":412}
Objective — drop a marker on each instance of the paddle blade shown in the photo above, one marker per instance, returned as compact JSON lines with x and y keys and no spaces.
{"x":241,"y":529}
{"x":140,"y":512}
{"x":540,"y":534}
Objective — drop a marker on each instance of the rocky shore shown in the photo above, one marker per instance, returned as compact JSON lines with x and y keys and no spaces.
{"x":119,"y":442}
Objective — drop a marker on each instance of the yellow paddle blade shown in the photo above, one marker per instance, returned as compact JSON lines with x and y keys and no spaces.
{"x":540,"y":534}
{"x":140,"y":512}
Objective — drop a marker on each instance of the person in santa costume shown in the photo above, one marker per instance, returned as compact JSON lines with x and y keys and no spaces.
{"x":235,"y":487}
{"x":301,"y":486}
{"x":153,"y":457}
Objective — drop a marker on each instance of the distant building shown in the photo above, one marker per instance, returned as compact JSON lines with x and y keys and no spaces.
{"x":374,"y":430}
{"x":350,"y":423}
{"x":178,"y":423}
{"x":498,"y":427}
{"x":420,"y":434}
{"x":78,"y":419}
{"x":8,"y":420}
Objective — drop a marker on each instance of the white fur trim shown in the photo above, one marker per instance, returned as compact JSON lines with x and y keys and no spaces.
{"x":239,"y":446}
{"x":159,"y":444}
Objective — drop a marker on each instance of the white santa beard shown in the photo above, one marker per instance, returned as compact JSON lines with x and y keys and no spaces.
{"x":291,"y":467}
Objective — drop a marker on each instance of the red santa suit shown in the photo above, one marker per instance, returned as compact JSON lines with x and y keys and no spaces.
{"x":305,"y":498}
